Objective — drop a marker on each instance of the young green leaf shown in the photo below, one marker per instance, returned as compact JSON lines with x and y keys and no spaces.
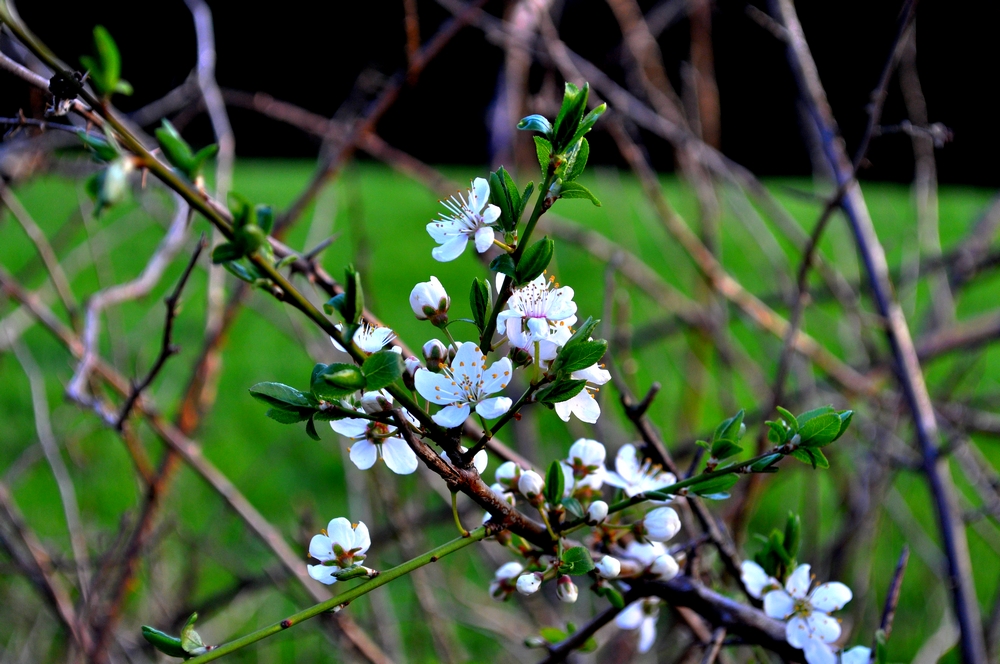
{"x":525,"y":197}
{"x":730,"y":429}
{"x":580,"y":356}
{"x":533,"y":261}
{"x":573,"y":506}
{"x":354,"y":298}
{"x":555,"y":483}
{"x":500,"y":198}
{"x":535,"y":123}
{"x":577,"y":161}
{"x":480,"y":299}
{"x":715,"y":485}
{"x":576,"y":561}
{"x":226,"y":252}
{"x":559,"y":391}
{"x":280,"y":396}
{"x":820,"y":430}
{"x":311,"y":430}
{"x":793,"y":534}
{"x":543,"y":149}
{"x":765,"y":464}
{"x":504,"y":264}
{"x":577,"y":190}
{"x":165,"y":643}
{"x":790,"y":419}
{"x":382,"y":369}
{"x":289,"y":416}
{"x":725,"y":448}
{"x":812,"y":456}
{"x":339,"y":380}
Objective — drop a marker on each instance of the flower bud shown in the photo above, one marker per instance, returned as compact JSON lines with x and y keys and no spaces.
{"x":453,"y":350}
{"x":661,"y":524}
{"x":608,"y":567}
{"x":508,"y":474}
{"x":503,"y":580}
{"x":566,"y":590}
{"x":436,"y":355}
{"x":535,"y":642}
{"x":597,"y":512}
{"x":410,"y":366}
{"x":530,"y":484}
{"x":429,"y":300}
{"x":528,"y":584}
{"x":664,"y":567}
{"x":375,"y":402}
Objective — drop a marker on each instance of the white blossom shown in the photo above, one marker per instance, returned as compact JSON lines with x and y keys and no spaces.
{"x":608,"y":567}
{"x":584,"y":405}
{"x":340,"y":546}
{"x":528,"y":584}
{"x":464,"y":220}
{"x":479,"y":461}
{"x":530,"y":484}
{"x":856,"y":655}
{"x":507,"y":474}
{"x":756,"y":580}
{"x":503,"y":583}
{"x":429,"y":299}
{"x":642,"y":616}
{"x":664,"y":567}
{"x":661,"y":524}
{"x":809,"y":625}
{"x":467,"y":384}
{"x":374,"y":440}
{"x":597,"y":512}
{"x":648,"y":557}
{"x":369,"y":338}
{"x":566,"y":590}
{"x":635,"y":478}
{"x":585,"y":465}
{"x":538,"y":309}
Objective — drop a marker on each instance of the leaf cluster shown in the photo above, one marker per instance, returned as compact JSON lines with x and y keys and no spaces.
{"x":579,"y":352}
{"x":105,"y":70}
{"x":179,"y":153}
{"x":809,"y":432}
{"x":777,"y":556}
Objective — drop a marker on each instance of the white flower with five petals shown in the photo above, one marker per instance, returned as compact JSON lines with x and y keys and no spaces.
{"x":585,"y":465}
{"x":633,"y":477}
{"x":809,"y":625}
{"x":584,"y":405}
{"x":642,"y":616}
{"x":756,"y":580}
{"x":374,"y":440}
{"x":466,"y":384}
{"x":539,"y":307}
{"x":369,"y":338}
{"x":340,"y":546}
{"x":464,"y":220}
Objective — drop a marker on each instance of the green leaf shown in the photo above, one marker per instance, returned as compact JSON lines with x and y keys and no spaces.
{"x":790,"y":419}
{"x":730,"y":429}
{"x":165,"y":643}
{"x":820,"y":430}
{"x":555,"y":483}
{"x":725,"y":448}
{"x":559,"y":391}
{"x":778,"y":548}
{"x":845,"y":421}
{"x":190,"y":640}
{"x":111,"y":60}
{"x":339,"y":380}
{"x":765,"y":463}
{"x":335,"y":303}
{"x":570,"y":113}
{"x":311,"y":430}
{"x":552,"y":634}
{"x":534,"y":260}
{"x":226,"y":252}
{"x":504,"y":264}
{"x":500,"y":198}
{"x":580,"y":356}
{"x":793,"y":534}
{"x":535,"y":123}
{"x":588,"y":122}
{"x":583,"y":332}
{"x":577,"y":161}
{"x":480,"y":299}
{"x":289,"y":416}
{"x":576,"y":561}
{"x":280,"y":396}
{"x":104,"y":150}
{"x":525,"y":197}
{"x":812,"y":456}
{"x":715,"y":485}
{"x":576,"y":190}
{"x":816,"y":412}
{"x":203,"y":155}
{"x":381,"y":369}
{"x":543,"y":149}
{"x":779,"y":433}
{"x":238,"y":271}
{"x":572,"y":506}
{"x":615,"y":597}
{"x":176,"y":149}
{"x":354,"y":297}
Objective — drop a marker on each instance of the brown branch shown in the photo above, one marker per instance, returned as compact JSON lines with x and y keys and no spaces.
{"x":167,"y":347}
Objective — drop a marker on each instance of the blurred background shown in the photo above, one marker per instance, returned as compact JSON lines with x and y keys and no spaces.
{"x":386,"y":107}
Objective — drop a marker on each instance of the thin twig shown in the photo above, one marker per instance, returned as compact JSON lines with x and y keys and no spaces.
{"x":892,"y":599}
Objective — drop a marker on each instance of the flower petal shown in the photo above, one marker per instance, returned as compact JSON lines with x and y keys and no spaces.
{"x":484,"y":239}
{"x":818,"y":652}
{"x":585,"y":407}
{"x":627,"y":462}
{"x":321,"y":548}
{"x":647,"y":634}
{"x":856,"y":655}
{"x":493,"y":408}
{"x":352,"y":427}
{"x":497,"y":376}
{"x":796,"y":629}
{"x":451,"y":249}
{"x":468,"y":363}
{"x":323,"y":574}
{"x":479,"y":194}
{"x":823,"y":627}
{"x":631,"y":617}
{"x":364,"y":454}
{"x":491,"y":214}
{"x":778,"y":604}
{"x":452,"y":416}
{"x":755,"y":578}
{"x":539,"y":327}
{"x":798,"y":582}
{"x":444,"y":231}
{"x":436,"y":388}
{"x":362,"y":539}
{"x":830,"y":597}
{"x":480,"y":461}
{"x":398,"y":456}
{"x":341,"y":532}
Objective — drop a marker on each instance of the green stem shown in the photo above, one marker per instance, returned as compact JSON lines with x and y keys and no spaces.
{"x":357,"y":591}
{"x":454,"y":513}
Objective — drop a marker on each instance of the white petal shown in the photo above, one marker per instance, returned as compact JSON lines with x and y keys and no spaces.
{"x":444,"y":231}
{"x":468,"y":363}
{"x":830,"y":597}
{"x":585,"y":407}
{"x":436,"y":388}
{"x":539,"y":327}
{"x":856,"y":655}
{"x":451,"y":249}
{"x":398,"y":456}
{"x":479,"y":194}
{"x":589,"y":452}
{"x":364,"y":454}
{"x":754,"y":578}
{"x":818,"y":652}
{"x":484,"y":239}
{"x":322,"y":573}
{"x":647,"y":634}
{"x":778,"y":604}
{"x":362,"y":540}
{"x":497,"y":376}
{"x":796,"y":630}
{"x":352,"y":427}
{"x":452,"y":416}
{"x":321,"y":548}
{"x":480,"y":461}
{"x":798,"y":582}
{"x":495,"y":407}
{"x":491,"y":214}
{"x":341,"y":532}
{"x":627,"y":462}
{"x":631,"y":617}
{"x":593,"y":374}
{"x":613,"y":478}
{"x":823,"y":627}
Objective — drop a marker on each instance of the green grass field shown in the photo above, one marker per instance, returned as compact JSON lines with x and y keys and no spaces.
{"x":378,"y":217}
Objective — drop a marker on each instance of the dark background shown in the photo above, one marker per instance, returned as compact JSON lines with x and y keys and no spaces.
{"x":312,"y":54}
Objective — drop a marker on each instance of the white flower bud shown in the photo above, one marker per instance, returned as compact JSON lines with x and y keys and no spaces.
{"x":530,"y":484}
{"x":508,"y":474}
{"x":435,"y":354}
{"x":664,"y":567}
{"x":661,"y":524}
{"x":528,"y":584}
{"x":597,"y":512}
{"x":429,"y":300}
{"x":608,"y":567}
{"x":566,"y":590}
{"x":410,"y":366}
{"x":375,"y":402}
{"x":503,"y":580}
